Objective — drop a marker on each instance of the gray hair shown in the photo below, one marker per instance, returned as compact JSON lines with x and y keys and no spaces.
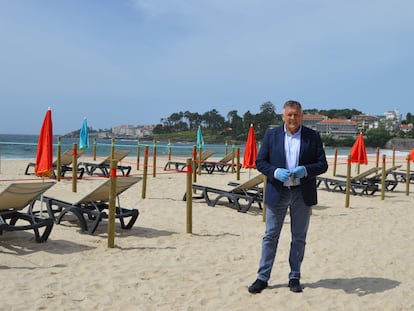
{"x":292,"y":104}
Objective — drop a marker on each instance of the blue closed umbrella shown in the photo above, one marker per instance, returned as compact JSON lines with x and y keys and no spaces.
{"x":84,"y":135}
{"x":200,"y":139}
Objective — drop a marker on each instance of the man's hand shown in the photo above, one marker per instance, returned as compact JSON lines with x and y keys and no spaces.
{"x":282,"y":174}
{"x":299,"y":172}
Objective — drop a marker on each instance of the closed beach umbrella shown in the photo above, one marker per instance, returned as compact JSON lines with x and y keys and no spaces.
{"x":200,"y":139}
{"x":84,"y":135}
{"x":44,"y":154}
{"x":358,"y":151}
{"x":412,"y":155}
{"x":250,"y":150}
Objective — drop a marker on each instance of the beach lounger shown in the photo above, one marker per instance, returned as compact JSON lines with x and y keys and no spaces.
{"x":105,"y":165}
{"x":91,"y":209}
{"x":180,"y":166}
{"x":15,"y":198}
{"x":66,"y":159}
{"x":247,"y":191}
{"x":362,"y":175}
{"x":222,"y":165}
{"x":365,"y":183}
{"x":391,"y":180}
{"x":339,"y":184}
{"x":358,"y":185}
{"x":401,"y":176}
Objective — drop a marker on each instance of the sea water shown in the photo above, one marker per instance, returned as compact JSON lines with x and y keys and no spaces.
{"x":16,"y":147}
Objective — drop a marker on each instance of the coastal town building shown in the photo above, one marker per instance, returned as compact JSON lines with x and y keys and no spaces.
{"x":365,"y":122}
{"x":310,"y":120}
{"x":337,"y":128}
{"x":391,"y":120}
{"x":132,"y":131}
{"x":406,"y":127}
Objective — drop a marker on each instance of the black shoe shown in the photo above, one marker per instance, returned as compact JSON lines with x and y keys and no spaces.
{"x":294,"y":286}
{"x":257,"y":286}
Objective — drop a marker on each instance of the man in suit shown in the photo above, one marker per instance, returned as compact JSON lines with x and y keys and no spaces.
{"x":291,"y":156}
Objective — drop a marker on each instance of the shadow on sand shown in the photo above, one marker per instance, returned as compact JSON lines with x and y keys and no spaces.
{"x":360,"y":286}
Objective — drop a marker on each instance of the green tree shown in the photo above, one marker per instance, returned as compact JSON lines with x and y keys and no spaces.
{"x":377,"y":137}
{"x":175,"y":118}
{"x":311,"y":111}
{"x":213,"y":120}
{"x":265,"y":118}
{"x":249,"y":118}
{"x":409,"y":118}
{"x":340,"y":113}
{"x":235,"y":121}
{"x":194,"y":119}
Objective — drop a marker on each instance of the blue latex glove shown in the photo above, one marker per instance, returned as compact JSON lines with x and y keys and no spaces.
{"x":299,"y":172}
{"x":282,"y":174}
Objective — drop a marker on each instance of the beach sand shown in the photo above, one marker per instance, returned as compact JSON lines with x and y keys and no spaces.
{"x":357,"y":258}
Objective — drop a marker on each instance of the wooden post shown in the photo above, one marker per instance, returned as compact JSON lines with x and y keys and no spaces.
{"x":238,"y":163}
{"x":74,"y":167}
{"x":335,"y":161}
{"x":189,"y":198}
{"x":348,"y":181}
{"x":111,"y":206}
{"x":194,"y":166}
{"x":393,"y":156}
{"x":154,"y":158}
{"x":144,"y":179}
{"x":138,"y":154}
{"x":58,"y":160}
{"x":408,"y":177}
{"x":377,"y":161}
{"x":94,"y":149}
{"x":199,"y":167}
{"x":112,"y":148}
{"x":383,"y":176}
{"x":169,"y":149}
{"x":232,"y":161}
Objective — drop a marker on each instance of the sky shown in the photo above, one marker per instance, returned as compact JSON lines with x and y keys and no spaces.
{"x":136,"y":62}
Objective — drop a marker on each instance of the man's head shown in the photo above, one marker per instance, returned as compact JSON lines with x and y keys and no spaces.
{"x":292,"y":116}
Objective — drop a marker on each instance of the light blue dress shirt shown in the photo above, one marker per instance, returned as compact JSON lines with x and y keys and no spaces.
{"x":292,"y":148}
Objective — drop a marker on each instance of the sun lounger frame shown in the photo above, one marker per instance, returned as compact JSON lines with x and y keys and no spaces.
{"x":91,"y":209}
{"x":14,"y":199}
{"x":105,"y":165}
{"x":248,"y":191}
{"x":180,"y":166}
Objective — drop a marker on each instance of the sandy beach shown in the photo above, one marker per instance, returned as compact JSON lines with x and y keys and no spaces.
{"x":357,"y":258}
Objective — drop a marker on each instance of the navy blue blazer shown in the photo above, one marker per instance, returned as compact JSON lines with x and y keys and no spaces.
{"x":272,"y":156}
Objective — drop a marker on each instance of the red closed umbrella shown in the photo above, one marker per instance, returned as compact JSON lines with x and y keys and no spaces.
{"x":250,"y":151}
{"x":412,"y":155}
{"x":44,"y":154}
{"x":358,"y":151}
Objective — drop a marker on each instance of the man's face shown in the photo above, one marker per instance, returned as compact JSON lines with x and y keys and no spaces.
{"x":292,"y":117}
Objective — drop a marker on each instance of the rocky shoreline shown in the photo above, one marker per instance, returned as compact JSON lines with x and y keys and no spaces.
{"x":400,"y":143}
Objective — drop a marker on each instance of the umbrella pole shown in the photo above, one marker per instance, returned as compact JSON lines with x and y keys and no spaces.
{"x":41,"y":202}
